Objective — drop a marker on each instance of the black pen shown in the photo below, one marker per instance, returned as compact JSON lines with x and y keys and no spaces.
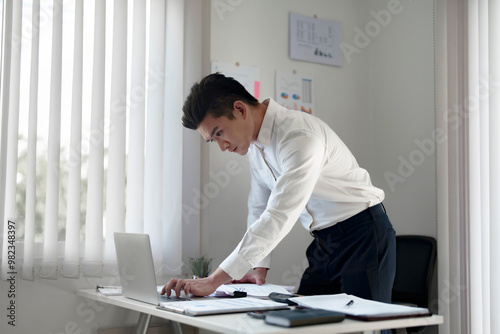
{"x":351,"y":302}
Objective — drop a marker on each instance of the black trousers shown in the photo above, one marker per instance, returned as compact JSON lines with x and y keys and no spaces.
{"x":356,"y":256}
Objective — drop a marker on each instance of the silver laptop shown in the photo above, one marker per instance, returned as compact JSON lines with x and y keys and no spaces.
{"x":136,"y":269}
{"x":138,"y":281}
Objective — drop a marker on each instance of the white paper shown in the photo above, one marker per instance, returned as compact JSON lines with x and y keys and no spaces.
{"x":359,"y":307}
{"x":294,"y":91}
{"x":315,"y":40}
{"x":110,"y":291}
{"x":248,"y":76}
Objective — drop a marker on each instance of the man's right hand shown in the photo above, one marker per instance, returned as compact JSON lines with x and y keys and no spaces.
{"x":257,"y":276}
{"x":197,"y":287}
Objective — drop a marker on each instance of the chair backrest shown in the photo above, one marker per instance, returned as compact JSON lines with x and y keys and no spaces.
{"x":415,"y":263}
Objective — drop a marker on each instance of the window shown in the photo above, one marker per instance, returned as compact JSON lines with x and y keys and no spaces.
{"x":85,"y":123}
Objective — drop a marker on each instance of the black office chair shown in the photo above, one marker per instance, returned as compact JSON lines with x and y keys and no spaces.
{"x":415,"y":265}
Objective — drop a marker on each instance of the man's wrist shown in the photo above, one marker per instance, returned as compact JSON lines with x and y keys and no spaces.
{"x":261,"y":270}
{"x":219,"y":277}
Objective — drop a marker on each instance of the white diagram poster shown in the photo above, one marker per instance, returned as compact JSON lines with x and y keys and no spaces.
{"x":295,"y":91}
{"x":315,"y":40}
{"x":248,"y":76}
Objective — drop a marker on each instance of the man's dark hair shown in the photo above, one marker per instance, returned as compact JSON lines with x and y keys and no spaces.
{"x":215,"y":94}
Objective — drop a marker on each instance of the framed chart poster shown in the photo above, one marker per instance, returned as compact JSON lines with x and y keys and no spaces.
{"x":294,"y":91}
{"x":315,"y":40}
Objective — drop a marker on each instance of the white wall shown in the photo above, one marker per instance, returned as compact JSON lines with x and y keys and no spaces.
{"x":379,"y":101}
{"x":402,"y":97}
{"x":52,"y":307}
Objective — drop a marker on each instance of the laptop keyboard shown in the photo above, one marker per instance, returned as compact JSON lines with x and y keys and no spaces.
{"x":172,"y":298}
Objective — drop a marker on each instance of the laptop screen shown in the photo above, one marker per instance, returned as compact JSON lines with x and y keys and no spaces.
{"x":135,"y":266}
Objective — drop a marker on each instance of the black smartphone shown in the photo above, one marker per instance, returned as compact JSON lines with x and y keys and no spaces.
{"x":257,"y":314}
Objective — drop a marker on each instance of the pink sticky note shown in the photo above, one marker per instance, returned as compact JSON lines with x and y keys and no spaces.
{"x":256,"y":89}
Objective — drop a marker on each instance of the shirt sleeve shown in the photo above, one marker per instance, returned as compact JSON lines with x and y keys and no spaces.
{"x":257,"y":203}
{"x":302,"y":156}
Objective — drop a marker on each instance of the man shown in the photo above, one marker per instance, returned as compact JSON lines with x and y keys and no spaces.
{"x":300,"y":169}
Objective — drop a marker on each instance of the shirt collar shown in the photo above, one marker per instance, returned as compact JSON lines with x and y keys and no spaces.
{"x":266,"y":128}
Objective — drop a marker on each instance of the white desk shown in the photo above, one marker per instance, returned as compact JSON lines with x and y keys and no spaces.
{"x":241,"y":323}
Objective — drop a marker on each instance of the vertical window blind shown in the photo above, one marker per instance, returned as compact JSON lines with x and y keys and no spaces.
{"x":91,"y":98}
{"x":484,"y":164}
{"x":469,"y":166}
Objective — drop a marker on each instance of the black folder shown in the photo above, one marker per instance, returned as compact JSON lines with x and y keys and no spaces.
{"x":302,"y":317}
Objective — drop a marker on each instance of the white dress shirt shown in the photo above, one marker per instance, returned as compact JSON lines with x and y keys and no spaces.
{"x":300,"y":169}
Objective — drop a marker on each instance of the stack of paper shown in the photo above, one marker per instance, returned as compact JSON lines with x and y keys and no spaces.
{"x":359,"y":308}
{"x":110,"y":290}
{"x":219,"y":306}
